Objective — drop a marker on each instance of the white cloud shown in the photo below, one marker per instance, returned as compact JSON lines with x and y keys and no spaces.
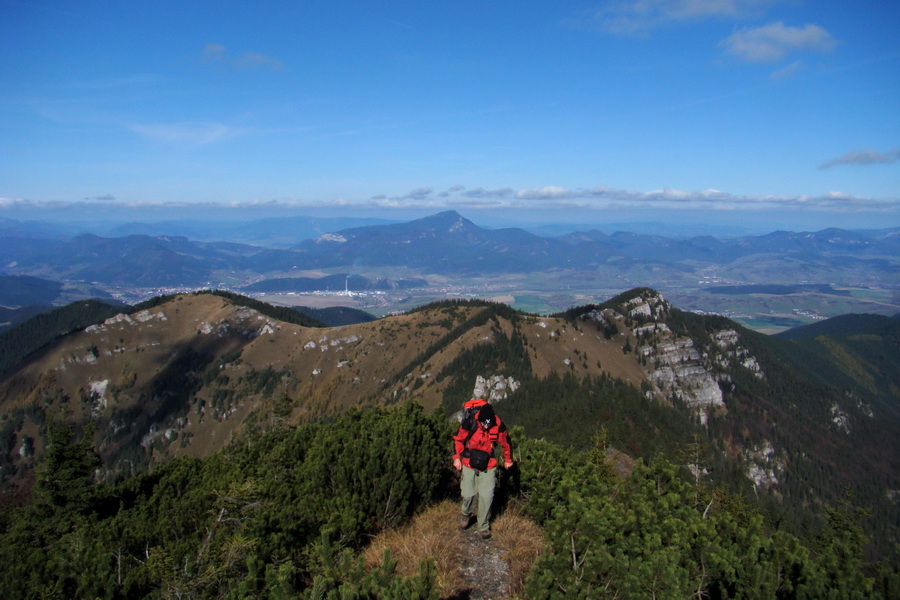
{"x":452,"y":190}
{"x":788,"y":71}
{"x":481,"y":192}
{"x":253,"y":60}
{"x":715,"y":8}
{"x":217,"y":53}
{"x":863,"y":157}
{"x":602,"y":197}
{"x":597,"y":198}
{"x":214,"y":52}
{"x":670,"y":194}
{"x":550,"y":192}
{"x":190,"y":132}
{"x":475,"y":203}
{"x":772,"y":42}
{"x":638,"y":17}
{"x":418,"y":194}
{"x":10,"y":202}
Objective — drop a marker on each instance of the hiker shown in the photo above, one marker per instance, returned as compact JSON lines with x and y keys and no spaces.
{"x":473,"y":454}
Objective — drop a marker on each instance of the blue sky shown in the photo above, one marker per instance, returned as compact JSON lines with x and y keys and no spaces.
{"x":784,"y":114}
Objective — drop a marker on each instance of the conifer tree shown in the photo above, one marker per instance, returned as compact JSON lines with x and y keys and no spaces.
{"x":65,"y":478}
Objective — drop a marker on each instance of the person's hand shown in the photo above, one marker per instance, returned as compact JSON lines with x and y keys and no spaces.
{"x":508,"y":464}
{"x":457,"y":464}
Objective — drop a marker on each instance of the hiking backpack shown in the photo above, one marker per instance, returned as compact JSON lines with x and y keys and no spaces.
{"x":478,"y":459}
{"x":470,"y":409}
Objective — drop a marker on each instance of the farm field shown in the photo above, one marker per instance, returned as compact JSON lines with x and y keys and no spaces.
{"x":548,"y":293}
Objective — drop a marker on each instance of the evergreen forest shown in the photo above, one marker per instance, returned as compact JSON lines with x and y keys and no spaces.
{"x":287,"y":513}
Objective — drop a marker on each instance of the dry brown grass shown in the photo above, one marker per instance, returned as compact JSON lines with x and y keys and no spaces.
{"x":521,"y":541}
{"x":431,"y":535}
{"x":434,"y":535}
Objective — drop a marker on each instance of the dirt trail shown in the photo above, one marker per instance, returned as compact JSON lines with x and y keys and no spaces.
{"x":483,"y":570}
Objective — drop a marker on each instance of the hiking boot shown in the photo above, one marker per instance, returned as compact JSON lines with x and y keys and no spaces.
{"x":486,"y":534}
{"x":465,"y":521}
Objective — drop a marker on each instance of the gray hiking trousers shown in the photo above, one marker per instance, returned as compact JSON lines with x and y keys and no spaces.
{"x":478,"y":484}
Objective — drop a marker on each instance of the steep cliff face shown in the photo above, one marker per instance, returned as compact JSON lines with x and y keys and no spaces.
{"x":676,"y":365}
{"x":677,"y":368}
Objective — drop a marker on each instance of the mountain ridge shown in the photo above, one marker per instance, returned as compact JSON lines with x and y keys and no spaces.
{"x":185,"y":374}
{"x":445,"y":242}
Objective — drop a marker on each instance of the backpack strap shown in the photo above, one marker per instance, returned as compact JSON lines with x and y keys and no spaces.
{"x":468,"y":437}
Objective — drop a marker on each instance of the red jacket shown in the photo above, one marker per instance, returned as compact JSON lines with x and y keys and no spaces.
{"x":483,"y":440}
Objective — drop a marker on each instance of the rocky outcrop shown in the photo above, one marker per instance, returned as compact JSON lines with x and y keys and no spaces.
{"x":244,"y":321}
{"x":495,"y":388}
{"x":675,"y":365}
{"x":650,"y":305}
{"x":733,"y":354}
{"x":143,"y":316}
{"x":763,"y":465}
{"x":325,"y":344}
{"x":840,"y":418}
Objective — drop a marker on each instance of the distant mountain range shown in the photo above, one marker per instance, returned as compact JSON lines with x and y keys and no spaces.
{"x":445,"y":243}
{"x":769,"y":282}
{"x":269,"y":232}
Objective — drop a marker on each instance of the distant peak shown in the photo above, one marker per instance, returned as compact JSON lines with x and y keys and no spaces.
{"x":449,"y":219}
{"x":445,"y":216}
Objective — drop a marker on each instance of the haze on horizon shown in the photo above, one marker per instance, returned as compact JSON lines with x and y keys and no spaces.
{"x":771,"y":114}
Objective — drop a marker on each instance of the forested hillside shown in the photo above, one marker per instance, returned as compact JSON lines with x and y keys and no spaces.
{"x":208,"y":387}
{"x":860,"y":352}
{"x":39,"y":331}
{"x":23,"y":290}
{"x":288,"y":513}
